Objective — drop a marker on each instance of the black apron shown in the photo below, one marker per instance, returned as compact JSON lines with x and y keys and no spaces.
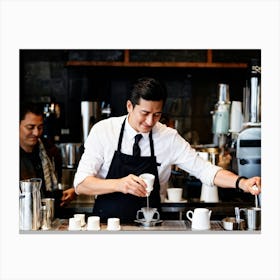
{"x":125,"y":206}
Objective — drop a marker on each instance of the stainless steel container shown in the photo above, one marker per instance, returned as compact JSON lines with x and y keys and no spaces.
{"x":91,"y":113}
{"x":70,"y":153}
{"x":253,"y":217}
{"x":30,"y":204}
{"x":49,"y":203}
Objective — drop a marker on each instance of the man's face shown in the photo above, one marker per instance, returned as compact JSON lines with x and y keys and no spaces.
{"x":30,"y":129}
{"x":144,"y":115}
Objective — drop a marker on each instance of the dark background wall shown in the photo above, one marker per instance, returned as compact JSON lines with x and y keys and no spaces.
{"x":45,"y":76}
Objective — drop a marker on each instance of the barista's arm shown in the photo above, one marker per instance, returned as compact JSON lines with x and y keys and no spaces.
{"x":131,"y":184}
{"x":226,"y":179}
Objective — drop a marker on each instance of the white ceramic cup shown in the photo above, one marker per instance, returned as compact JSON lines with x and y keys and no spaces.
{"x":113,"y":224}
{"x":200,"y":218}
{"x":74,"y":224}
{"x":148,"y":213}
{"x":149,"y":179}
{"x":81,"y":217}
{"x":93,"y":223}
{"x":209,"y":193}
{"x":175,"y":194}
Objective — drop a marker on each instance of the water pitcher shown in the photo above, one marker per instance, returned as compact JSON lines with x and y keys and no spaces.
{"x":30,"y":204}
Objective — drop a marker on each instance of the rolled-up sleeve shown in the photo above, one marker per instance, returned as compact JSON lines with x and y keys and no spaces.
{"x":188,"y":159}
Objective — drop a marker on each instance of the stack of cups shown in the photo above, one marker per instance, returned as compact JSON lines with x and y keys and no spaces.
{"x":236,"y":117}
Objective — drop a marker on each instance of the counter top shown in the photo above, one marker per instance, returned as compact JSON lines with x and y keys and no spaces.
{"x":166,"y":226}
{"x":219,"y":209}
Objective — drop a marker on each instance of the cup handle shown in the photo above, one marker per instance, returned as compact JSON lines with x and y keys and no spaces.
{"x":188,"y":215}
{"x":137,"y":215}
{"x":157,"y":214}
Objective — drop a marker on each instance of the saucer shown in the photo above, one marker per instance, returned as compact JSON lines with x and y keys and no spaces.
{"x":181,"y":201}
{"x":153,"y":222}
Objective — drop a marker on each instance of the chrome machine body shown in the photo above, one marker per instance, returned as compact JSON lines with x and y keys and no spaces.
{"x":248,"y":152}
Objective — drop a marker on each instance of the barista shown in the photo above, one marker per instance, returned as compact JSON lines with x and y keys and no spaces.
{"x":40,"y":158}
{"x":110,"y":170}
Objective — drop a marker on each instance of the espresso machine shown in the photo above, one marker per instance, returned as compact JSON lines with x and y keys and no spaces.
{"x":248,"y":148}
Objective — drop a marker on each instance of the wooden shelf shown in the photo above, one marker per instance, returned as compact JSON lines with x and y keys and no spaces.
{"x":163,"y":64}
{"x":156,"y":64}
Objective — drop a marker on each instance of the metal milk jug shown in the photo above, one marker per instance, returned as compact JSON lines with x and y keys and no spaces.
{"x":30,"y":204}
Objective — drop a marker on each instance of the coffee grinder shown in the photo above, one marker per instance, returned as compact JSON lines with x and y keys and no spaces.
{"x":220,"y":125}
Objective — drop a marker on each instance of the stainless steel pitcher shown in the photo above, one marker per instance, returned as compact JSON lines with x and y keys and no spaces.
{"x":30,"y":204}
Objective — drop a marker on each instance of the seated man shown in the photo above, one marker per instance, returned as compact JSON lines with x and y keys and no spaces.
{"x":40,"y":158}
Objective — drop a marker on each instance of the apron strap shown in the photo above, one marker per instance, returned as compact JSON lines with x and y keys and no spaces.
{"x":151,"y":143}
{"x":121,"y":136}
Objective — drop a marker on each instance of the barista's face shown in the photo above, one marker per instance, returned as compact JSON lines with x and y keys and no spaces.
{"x":30,"y":129}
{"x":144,"y":115}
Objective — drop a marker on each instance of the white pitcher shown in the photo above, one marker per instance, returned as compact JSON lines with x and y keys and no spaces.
{"x":200,"y":218}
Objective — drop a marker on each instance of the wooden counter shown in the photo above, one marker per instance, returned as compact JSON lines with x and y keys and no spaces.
{"x":166,"y":226}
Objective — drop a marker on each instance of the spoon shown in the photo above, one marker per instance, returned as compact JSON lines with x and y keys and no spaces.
{"x":256,"y":197}
{"x":237,"y":216}
{"x":256,"y":201}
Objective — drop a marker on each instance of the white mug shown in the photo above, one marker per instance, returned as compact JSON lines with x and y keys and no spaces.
{"x":200,"y":218}
{"x":149,"y":179}
{"x":175,"y":194}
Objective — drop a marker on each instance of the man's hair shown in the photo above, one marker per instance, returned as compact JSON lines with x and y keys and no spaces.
{"x":29,"y":108}
{"x":148,"y":89}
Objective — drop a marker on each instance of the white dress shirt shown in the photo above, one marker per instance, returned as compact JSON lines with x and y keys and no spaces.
{"x":170,"y":149}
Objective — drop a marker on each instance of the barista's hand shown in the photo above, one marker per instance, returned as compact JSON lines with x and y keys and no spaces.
{"x":132,"y":184}
{"x":67,"y":196}
{"x":252,"y":185}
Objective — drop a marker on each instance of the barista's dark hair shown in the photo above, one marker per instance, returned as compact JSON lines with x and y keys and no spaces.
{"x":148,"y":89}
{"x":28,"y":107}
